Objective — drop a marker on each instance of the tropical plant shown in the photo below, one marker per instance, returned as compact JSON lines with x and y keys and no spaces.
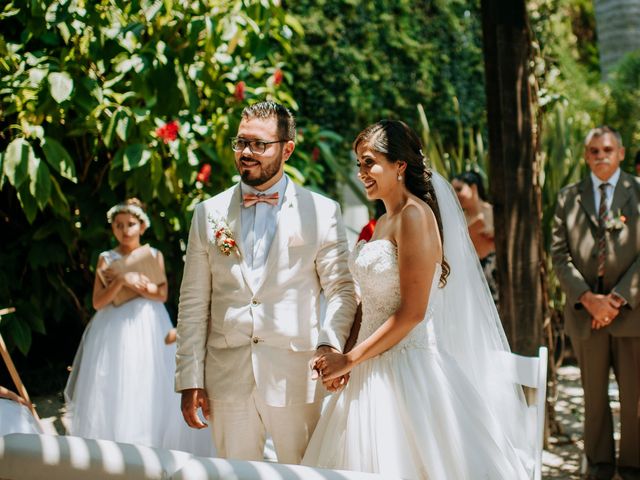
{"x":104,"y":100}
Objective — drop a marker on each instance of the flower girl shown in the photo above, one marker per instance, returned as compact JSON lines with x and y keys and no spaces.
{"x":121,"y":383}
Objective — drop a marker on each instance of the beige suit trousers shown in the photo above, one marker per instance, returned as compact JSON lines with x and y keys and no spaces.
{"x":240,"y":427}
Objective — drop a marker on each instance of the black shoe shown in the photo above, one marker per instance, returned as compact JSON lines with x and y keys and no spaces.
{"x":600,"y":471}
{"x":629,"y":473}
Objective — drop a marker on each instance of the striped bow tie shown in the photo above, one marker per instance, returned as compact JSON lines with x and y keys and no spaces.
{"x":250,"y":199}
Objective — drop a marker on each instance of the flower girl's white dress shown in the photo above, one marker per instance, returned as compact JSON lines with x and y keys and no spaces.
{"x":408,"y":412}
{"x":121,"y":384}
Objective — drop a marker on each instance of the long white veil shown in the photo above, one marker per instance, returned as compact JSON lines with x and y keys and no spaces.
{"x":470,"y":330}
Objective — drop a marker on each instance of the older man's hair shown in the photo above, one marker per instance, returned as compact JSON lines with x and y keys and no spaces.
{"x":268,"y":109}
{"x":602,"y":130}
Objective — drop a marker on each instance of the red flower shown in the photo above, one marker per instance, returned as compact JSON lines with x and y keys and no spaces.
{"x":239,"y":91}
{"x":277,"y":77}
{"x":367,"y":231}
{"x":204,"y":173}
{"x":315,"y":154}
{"x":168,"y":132}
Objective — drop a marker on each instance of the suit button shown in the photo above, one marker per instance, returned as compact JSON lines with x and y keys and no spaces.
{"x":255,"y":303}
{"x":255,"y":339}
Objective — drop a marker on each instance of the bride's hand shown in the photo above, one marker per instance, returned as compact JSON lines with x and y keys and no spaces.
{"x":336,"y":384}
{"x":333,"y":365}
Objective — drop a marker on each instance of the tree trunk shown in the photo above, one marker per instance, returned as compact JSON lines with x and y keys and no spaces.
{"x":513,"y":178}
{"x":618,"y":27}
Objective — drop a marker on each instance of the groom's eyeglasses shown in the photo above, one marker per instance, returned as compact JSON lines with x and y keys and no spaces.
{"x":256,"y":146}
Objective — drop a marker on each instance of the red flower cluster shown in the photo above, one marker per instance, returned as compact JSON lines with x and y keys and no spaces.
{"x":315,"y":154}
{"x":168,"y":132}
{"x":239,"y":91}
{"x":204,"y":173}
{"x":277,"y":77}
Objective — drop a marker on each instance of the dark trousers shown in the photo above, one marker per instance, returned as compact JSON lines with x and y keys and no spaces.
{"x":596,"y":355}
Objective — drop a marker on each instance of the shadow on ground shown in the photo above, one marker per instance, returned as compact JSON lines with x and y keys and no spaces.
{"x":561,"y":459}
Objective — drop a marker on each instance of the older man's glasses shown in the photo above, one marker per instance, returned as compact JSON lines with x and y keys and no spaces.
{"x":255,"y":146}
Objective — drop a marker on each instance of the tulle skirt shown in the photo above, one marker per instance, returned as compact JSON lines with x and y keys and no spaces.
{"x":121,"y":384}
{"x":410,"y":413}
{"x":16,"y":418}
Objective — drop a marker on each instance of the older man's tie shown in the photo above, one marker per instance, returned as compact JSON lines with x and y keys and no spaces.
{"x":602,"y":238}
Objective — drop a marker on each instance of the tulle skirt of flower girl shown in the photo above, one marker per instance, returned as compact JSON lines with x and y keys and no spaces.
{"x":121,"y":385}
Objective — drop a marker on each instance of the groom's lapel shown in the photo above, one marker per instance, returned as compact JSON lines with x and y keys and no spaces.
{"x":234,"y":220}
{"x":287,"y":232}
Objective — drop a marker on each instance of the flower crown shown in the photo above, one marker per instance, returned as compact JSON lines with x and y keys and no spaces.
{"x":134,"y":210}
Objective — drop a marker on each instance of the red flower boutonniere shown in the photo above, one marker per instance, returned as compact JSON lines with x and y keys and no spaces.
{"x":223,"y":237}
{"x":615,"y":222}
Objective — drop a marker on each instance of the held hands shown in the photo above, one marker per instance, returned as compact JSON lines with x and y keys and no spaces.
{"x":192,"y":400}
{"x":603,"y":308}
{"x":333,"y":367}
{"x":133,"y":280}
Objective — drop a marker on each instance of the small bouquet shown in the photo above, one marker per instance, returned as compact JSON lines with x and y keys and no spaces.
{"x":615,"y":222}
{"x":223,"y":236}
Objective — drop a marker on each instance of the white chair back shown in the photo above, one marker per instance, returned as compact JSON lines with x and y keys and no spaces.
{"x":531,"y":372}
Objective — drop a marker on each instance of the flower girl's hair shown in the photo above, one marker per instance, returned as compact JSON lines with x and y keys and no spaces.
{"x":132,"y":206}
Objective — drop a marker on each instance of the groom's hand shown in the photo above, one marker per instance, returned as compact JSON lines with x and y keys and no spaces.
{"x":192,"y":399}
{"x":321,"y":350}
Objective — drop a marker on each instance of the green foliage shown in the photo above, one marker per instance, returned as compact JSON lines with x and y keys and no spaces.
{"x":623,"y":112}
{"x":88,"y":92}
{"x":363,"y":61}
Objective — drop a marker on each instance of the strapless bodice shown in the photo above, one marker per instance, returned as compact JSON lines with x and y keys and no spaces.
{"x":374,"y":266}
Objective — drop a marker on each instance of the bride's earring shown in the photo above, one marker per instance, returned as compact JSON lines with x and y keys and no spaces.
{"x":399,"y":177}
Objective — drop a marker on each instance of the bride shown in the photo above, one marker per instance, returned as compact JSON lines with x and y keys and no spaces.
{"x":425,"y":399}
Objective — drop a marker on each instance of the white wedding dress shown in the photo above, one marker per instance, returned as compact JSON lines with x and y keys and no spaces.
{"x":409,"y":412}
{"x":121,"y":382}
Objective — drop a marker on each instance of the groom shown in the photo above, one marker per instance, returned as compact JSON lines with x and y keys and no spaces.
{"x":258,"y":258}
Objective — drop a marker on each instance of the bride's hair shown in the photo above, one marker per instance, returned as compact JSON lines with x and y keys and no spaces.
{"x":399,"y":143}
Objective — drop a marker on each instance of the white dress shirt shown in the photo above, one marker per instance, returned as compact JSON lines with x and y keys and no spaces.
{"x":259,"y":224}
{"x":610,"y":188}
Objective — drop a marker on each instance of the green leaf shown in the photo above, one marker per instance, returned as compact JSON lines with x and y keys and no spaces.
{"x":135,"y":156}
{"x":58,"y":201}
{"x":2,"y":174}
{"x":107,"y":135}
{"x":61,"y":86}
{"x":36,"y":322}
{"x":20,"y":333}
{"x":59,"y":159}
{"x":16,"y":161}
{"x":45,"y":230}
{"x":41,"y":187}
{"x":122,"y":127}
{"x":28,"y":202}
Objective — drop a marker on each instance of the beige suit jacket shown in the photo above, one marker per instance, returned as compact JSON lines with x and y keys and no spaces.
{"x":235,"y":333}
{"x":574,"y":253}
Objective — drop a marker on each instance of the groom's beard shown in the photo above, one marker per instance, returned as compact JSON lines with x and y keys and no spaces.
{"x":261,"y":174}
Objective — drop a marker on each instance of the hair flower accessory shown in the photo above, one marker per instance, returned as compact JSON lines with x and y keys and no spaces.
{"x":615,"y":222}
{"x":223,"y":236}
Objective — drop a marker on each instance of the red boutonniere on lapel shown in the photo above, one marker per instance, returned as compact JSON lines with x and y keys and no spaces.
{"x":615,"y":222}
{"x":223,"y":236}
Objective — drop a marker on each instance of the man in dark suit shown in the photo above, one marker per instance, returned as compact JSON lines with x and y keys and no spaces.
{"x":596,"y":256}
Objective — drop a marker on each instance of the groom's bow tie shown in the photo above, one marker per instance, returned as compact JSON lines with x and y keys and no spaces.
{"x":250,"y":199}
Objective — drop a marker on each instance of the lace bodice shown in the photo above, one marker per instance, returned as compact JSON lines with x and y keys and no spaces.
{"x":374,"y":265}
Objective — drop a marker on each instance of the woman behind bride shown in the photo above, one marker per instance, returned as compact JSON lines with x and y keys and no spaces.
{"x":425,"y":398}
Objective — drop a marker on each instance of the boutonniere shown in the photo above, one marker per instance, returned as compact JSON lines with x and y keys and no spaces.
{"x":223,"y":236}
{"x":615,"y":222}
